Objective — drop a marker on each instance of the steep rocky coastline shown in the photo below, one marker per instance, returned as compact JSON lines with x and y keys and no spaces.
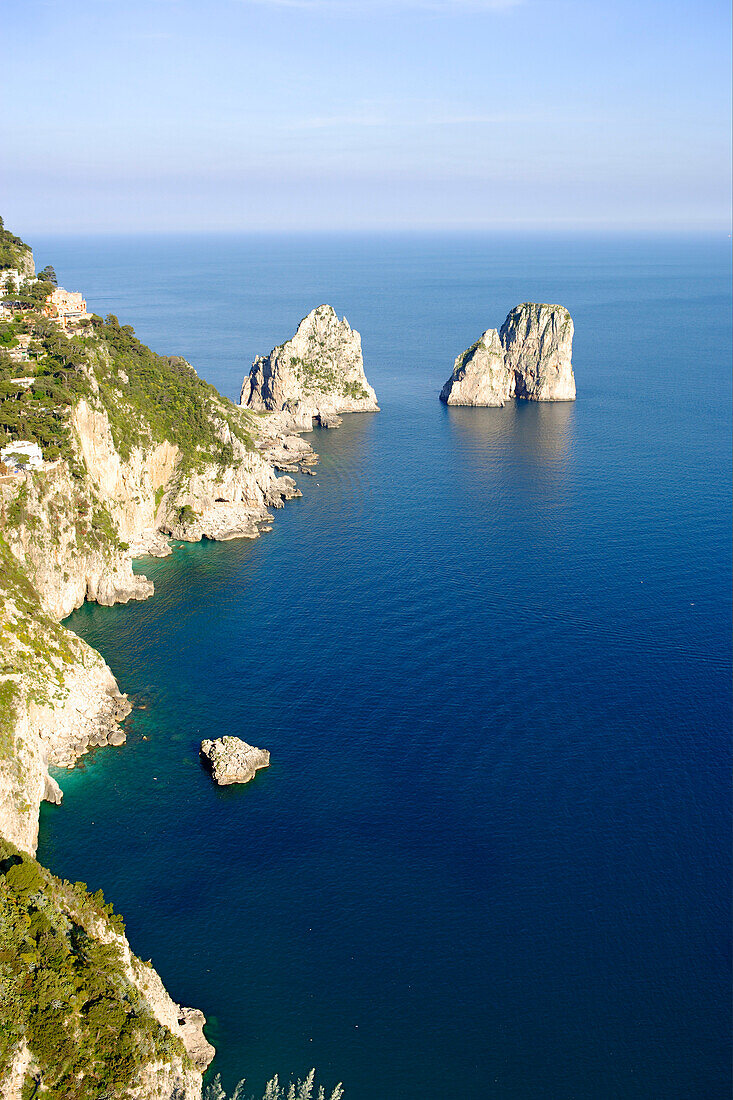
{"x":530,"y":358}
{"x":141,"y":451}
{"x":108,"y":1021}
{"x":314,"y":377}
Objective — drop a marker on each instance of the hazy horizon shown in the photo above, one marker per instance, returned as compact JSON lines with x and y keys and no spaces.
{"x":393,"y":115}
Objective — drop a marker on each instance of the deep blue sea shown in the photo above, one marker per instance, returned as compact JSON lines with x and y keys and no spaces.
{"x":489,"y":651}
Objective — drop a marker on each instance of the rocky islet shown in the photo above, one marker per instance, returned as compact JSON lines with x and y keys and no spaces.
{"x":314,"y":377}
{"x":530,"y":358}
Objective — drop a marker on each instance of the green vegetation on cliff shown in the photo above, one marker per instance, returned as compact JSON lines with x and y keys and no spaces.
{"x":40,"y":411}
{"x":67,"y":994}
{"x":34,"y":647}
{"x":151,"y":398}
{"x":45,"y":371}
{"x":147,"y":397}
{"x":14,"y":252}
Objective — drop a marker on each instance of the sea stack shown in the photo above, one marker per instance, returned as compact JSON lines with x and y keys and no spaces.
{"x":530,"y":357}
{"x":314,"y":377}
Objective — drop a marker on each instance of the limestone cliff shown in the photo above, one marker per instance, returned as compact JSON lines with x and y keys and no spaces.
{"x":315,"y":376}
{"x":76,"y":524}
{"x":137,"y":448}
{"x":480,"y":375}
{"x":538,"y":348}
{"x":530,"y":358}
{"x":58,"y":699}
{"x":79,"y":1009}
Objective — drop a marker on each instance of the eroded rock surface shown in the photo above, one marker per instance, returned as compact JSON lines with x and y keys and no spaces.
{"x":191,"y":1023}
{"x":233,"y":760}
{"x":530,"y":358}
{"x":480,"y":375}
{"x":314,"y":377}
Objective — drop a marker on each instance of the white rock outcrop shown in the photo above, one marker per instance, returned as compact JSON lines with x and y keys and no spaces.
{"x":147,"y":498}
{"x":530,"y":357}
{"x":480,"y":375}
{"x":233,"y":760}
{"x":64,"y":703}
{"x":314,"y":377}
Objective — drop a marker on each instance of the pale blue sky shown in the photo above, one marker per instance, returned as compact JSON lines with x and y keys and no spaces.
{"x":139,"y":115}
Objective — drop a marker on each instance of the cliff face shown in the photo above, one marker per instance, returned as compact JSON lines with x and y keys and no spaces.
{"x":538,"y":348}
{"x":61,"y":530}
{"x":141,"y":449}
{"x":530,"y":358}
{"x":58,"y":698}
{"x":79,"y":1009}
{"x":313,"y":377}
{"x":480,"y":375}
{"x":76,"y":531}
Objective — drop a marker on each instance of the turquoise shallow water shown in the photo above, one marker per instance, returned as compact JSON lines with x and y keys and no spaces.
{"x":489,"y":651}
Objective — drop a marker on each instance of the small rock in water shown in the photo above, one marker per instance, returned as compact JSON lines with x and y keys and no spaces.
{"x":52,"y":792}
{"x":233,"y":760}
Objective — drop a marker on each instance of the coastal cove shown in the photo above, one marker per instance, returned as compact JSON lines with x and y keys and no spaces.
{"x":487,"y":651}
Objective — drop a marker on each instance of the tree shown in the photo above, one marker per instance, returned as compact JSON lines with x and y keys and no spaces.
{"x":48,"y":275}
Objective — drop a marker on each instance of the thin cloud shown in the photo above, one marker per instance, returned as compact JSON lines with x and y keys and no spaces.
{"x":379,"y":121}
{"x":347,"y":6}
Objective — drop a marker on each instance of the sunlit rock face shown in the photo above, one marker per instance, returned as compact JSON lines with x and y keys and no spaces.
{"x":314,"y":377}
{"x":538,"y":349}
{"x":480,"y":375}
{"x":530,"y":358}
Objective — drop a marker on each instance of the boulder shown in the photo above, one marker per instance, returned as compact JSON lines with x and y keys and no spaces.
{"x":233,"y":760}
{"x":51,"y":791}
{"x":191,"y":1023}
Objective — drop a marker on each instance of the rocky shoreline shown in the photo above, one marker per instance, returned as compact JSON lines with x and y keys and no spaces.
{"x":69,"y":702}
{"x":69,"y":532}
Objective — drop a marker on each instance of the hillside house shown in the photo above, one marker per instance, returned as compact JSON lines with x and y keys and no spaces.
{"x":22,"y":455}
{"x":10,"y":280}
{"x":21,"y":353}
{"x":66,"y":307}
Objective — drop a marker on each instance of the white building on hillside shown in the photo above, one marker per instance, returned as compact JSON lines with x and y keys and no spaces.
{"x":10,"y":279}
{"x":22,"y":455}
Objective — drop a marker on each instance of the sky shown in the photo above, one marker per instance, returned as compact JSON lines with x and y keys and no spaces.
{"x":312,"y":115}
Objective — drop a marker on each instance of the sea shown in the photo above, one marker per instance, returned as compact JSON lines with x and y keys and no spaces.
{"x":489,"y":651}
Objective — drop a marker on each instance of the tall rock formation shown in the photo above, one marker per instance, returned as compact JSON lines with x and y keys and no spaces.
{"x":538,"y":347}
{"x":480,"y":375}
{"x":313,"y":377}
{"x":530,"y":358}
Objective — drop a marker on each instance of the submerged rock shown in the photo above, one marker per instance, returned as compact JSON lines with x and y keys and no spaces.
{"x":530,"y":358}
{"x":233,"y":760}
{"x":313,"y":377}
